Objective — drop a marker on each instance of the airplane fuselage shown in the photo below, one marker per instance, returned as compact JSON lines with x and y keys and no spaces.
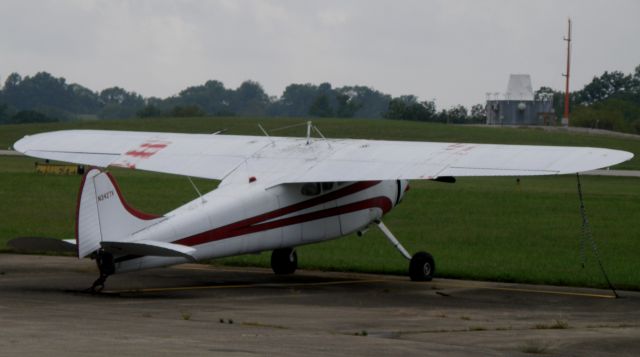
{"x":250,"y":218}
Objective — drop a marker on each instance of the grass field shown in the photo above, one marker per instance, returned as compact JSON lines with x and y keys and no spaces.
{"x":478,"y":228}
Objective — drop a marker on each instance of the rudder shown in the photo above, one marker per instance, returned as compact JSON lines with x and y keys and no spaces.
{"x":104,"y":215}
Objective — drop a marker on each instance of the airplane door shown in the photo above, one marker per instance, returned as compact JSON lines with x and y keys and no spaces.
{"x":258,"y":205}
{"x":287,"y":196}
{"x":328,"y":225}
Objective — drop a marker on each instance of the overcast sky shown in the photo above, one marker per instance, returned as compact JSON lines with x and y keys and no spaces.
{"x":451,"y":51}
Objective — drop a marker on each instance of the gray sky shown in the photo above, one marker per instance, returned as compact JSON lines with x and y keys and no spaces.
{"x":450,"y":51}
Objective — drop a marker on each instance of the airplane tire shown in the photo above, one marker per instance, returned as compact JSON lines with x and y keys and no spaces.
{"x":284,"y":261}
{"x":422,"y":267}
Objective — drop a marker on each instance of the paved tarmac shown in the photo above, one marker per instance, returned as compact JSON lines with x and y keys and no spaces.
{"x":618,"y":173}
{"x":10,"y":153}
{"x":202,"y":310}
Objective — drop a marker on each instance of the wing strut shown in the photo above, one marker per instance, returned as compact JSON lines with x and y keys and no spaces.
{"x":422,"y":266}
{"x":196,"y":188}
{"x":396,"y":244}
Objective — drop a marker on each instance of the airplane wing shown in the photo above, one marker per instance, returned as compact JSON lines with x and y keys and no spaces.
{"x":277,"y":160}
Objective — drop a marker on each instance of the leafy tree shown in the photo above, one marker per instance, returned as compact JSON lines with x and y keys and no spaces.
{"x":597,"y":119}
{"x":117,"y":95}
{"x":321,"y":107}
{"x":149,"y":111}
{"x":45,"y":93}
{"x":212,"y":97}
{"x":295,"y":101}
{"x":12,"y":82}
{"x":370,"y":103}
{"x":117,"y":103}
{"x":347,"y":107}
{"x":408,"y":107}
{"x":635,"y":126}
{"x":250,"y":99}
{"x":478,"y":114}
{"x":4,"y":116}
{"x":344,"y":102}
{"x":612,"y":114}
{"x":397,"y":108}
{"x":607,"y":85}
{"x":458,"y":114}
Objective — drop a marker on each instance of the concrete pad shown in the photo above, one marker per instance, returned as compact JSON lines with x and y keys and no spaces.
{"x":197,"y":309}
{"x":618,"y":173}
{"x":10,"y":153}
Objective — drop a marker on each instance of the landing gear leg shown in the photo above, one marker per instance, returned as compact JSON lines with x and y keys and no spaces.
{"x":284,"y":261}
{"x":106,"y":267}
{"x":421,"y":265}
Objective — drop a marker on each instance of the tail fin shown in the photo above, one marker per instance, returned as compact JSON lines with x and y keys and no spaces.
{"x":103,"y":215}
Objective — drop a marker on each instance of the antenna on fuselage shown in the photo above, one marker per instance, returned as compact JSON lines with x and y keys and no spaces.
{"x":309,"y":125}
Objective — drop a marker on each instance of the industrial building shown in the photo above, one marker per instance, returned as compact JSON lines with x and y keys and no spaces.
{"x":518,"y":105}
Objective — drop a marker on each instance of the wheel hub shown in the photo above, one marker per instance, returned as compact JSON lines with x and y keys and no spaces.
{"x":426,"y":269}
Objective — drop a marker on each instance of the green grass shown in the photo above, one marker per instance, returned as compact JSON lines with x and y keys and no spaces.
{"x":477,"y":228}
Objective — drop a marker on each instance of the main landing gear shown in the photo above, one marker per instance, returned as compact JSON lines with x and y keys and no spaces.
{"x":421,"y":265}
{"x":106,"y":266}
{"x":284,"y":261}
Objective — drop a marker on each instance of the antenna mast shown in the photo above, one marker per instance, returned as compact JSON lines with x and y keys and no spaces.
{"x":565,"y":116}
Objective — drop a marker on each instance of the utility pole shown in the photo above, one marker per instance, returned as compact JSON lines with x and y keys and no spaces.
{"x":565,"y":116}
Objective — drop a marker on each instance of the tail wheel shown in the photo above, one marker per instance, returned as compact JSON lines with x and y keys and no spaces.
{"x":422,"y":267}
{"x":284,"y":261}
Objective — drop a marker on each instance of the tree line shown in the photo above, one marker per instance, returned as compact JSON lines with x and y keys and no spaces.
{"x":43,"y":97}
{"x":610,"y":101}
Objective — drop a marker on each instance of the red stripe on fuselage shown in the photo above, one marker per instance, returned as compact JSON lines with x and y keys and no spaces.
{"x":258,"y":223}
{"x":384,"y":203}
{"x":356,"y":187}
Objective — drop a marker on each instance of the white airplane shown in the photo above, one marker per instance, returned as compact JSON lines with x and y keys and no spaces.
{"x":276,"y":193}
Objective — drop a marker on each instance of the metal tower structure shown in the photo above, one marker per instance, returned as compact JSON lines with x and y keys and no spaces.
{"x":565,"y":116}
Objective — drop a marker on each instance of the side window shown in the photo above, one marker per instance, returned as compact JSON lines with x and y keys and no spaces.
{"x":310,"y":189}
{"x":327,"y":186}
{"x":315,"y":188}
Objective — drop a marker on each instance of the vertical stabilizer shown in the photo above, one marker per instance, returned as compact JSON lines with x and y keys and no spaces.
{"x":104,"y":215}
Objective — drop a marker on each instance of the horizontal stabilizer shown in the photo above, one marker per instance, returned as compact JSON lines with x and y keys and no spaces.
{"x":150,"y":247}
{"x":42,"y":244}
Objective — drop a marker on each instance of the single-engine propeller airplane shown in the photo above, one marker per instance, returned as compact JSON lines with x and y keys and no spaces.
{"x":275,"y":193}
